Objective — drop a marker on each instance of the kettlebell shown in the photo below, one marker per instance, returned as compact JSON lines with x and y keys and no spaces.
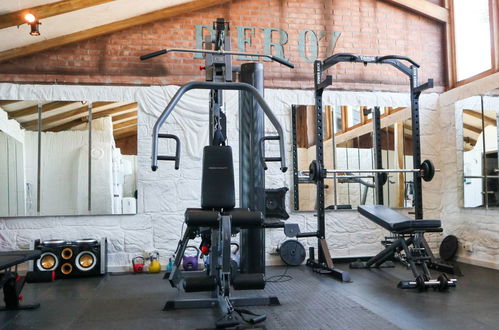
{"x":154,"y":265}
{"x":138,"y":264}
{"x":191,"y":262}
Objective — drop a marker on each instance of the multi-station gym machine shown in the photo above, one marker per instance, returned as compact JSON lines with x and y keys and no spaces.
{"x":215,"y":224}
{"x":317,"y":171}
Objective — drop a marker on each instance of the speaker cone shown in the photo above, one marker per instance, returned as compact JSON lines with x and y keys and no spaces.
{"x":47,"y":262}
{"x":67,"y":253}
{"x":85,"y":261}
{"x":66,"y":268}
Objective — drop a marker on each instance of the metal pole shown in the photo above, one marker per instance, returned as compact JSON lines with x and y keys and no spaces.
{"x":251,"y":172}
{"x":39,"y":165}
{"x":484,"y":158}
{"x":377,"y":153}
{"x":416,"y":144}
{"x":89,"y":157}
{"x":296,"y":180}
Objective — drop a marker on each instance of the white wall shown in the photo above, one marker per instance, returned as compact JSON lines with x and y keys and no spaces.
{"x":478,"y":226}
{"x":164,"y":195}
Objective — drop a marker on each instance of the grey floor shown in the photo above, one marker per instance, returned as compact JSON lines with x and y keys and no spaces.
{"x":308,"y":301}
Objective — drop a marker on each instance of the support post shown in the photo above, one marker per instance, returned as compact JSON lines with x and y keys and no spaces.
{"x":251,"y":172}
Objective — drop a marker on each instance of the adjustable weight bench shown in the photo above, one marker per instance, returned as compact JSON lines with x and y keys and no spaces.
{"x":406,"y":232}
{"x":10,"y":281}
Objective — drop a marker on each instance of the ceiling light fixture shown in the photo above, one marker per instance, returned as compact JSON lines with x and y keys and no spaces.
{"x":33,"y":23}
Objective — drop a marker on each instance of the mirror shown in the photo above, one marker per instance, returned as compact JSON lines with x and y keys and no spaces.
{"x":67,"y":158}
{"x":348,"y":144}
{"x":480,"y":148}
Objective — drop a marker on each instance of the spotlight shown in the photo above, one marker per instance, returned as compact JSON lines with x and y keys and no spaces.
{"x":30,"y":18}
{"x":34,"y":24}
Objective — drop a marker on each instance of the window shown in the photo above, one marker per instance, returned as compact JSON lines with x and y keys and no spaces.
{"x":474,"y":38}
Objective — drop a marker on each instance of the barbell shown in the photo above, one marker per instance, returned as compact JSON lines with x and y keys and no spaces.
{"x":427,"y":171}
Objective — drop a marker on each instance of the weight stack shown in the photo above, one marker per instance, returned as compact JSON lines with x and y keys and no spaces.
{"x":69,"y":259}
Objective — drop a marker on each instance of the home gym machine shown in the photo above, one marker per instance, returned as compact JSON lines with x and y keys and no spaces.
{"x":217,"y":219}
{"x":422,"y":170}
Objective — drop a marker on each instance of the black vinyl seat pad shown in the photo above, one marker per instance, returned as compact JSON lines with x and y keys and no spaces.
{"x":207,"y":218}
{"x":396,"y":222}
{"x":11,"y":258}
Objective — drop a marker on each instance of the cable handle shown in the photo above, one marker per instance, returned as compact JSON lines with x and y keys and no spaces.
{"x":156,"y":157}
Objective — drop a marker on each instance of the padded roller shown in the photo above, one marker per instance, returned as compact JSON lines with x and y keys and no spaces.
{"x":246,"y":219}
{"x":201,"y":218}
{"x":249,"y":282}
{"x":199,"y":283}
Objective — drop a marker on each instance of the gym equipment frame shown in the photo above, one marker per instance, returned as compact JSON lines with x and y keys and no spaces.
{"x":215,"y":223}
{"x":317,"y":171}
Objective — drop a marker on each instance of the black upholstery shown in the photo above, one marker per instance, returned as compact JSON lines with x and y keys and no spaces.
{"x":217,"y":185}
{"x":11,"y":258}
{"x":241,"y":218}
{"x":396,"y":222}
{"x":201,"y":218}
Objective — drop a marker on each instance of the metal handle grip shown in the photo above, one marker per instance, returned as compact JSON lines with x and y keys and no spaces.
{"x":156,"y":157}
{"x":264,"y":159}
{"x":153,"y":54}
{"x":398,"y":57}
{"x":282,"y":61}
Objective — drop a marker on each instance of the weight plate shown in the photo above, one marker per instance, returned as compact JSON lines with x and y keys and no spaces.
{"x":292,"y":253}
{"x":428,"y":170}
{"x":448,"y":247}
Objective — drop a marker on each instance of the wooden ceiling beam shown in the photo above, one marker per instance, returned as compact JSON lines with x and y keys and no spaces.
{"x":472,"y":128}
{"x":131,"y":114}
{"x":423,"y":7}
{"x":154,"y":16}
{"x":112,"y":111}
{"x":5,"y":102}
{"x":95,"y":115}
{"x":16,"y":18}
{"x":125,"y":132}
{"x":478,"y":115}
{"x":125,"y":124}
{"x":31,"y":110}
{"x":64,"y":115}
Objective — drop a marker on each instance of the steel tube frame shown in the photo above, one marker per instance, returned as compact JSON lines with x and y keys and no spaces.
{"x":220,"y":86}
{"x":321,"y":84}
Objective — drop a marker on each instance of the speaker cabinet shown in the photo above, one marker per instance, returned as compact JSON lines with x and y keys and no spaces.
{"x":80,"y":258}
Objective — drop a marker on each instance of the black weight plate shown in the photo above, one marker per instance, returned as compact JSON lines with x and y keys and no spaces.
{"x":428,"y":170}
{"x":292,"y":253}
{"x":448,"y":247}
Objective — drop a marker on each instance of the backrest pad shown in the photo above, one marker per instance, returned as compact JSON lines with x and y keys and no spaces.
{"x":217,"y":183}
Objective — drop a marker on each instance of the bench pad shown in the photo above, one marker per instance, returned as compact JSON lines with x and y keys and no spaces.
{"x":396,"y":222}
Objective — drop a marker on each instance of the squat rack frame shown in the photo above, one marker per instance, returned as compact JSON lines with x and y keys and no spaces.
{"x":324,"y":261}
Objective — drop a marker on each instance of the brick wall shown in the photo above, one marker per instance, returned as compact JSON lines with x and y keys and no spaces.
{"x":369,"y":27}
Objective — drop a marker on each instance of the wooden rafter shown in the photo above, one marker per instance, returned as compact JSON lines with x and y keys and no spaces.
{"x":472,"y":128}
{"x":125,"y":124}
{"x":478,"y":115}
{"x":112,"y":111}
{"x":4,"y":102}
{"x":95,"y":115}
{"x":47,"y":10}
{"x":425,"y":8}
{"x":31,"y":110}
{"x":125,"y":132}
{"x":157,"y":15}
{"x":128,"y":115}
{"x":64,"y":115}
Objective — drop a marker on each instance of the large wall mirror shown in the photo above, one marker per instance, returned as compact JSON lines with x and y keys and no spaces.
{"x":67,"y":158}
{"x":348,"y":144}
{"x":480,"y":151}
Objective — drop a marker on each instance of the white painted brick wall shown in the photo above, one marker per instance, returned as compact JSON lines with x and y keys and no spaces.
{"x":164,"y":195}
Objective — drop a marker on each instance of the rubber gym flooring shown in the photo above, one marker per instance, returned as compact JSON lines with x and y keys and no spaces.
{"x":308,"y":301}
